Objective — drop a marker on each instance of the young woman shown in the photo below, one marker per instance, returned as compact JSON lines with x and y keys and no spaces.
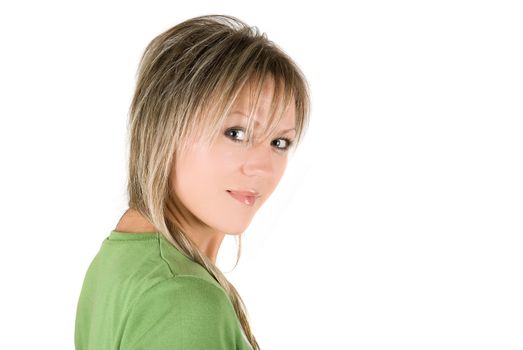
{"x":216,"y":110}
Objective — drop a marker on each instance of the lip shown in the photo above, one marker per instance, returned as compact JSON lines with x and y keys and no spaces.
{"x":249,"y":192}
{"x":247,"y":197}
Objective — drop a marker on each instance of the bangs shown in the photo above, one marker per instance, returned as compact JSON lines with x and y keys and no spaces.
{"x":280,"y":97}
{"x":214,"y":115}
{"x":257,"y":69}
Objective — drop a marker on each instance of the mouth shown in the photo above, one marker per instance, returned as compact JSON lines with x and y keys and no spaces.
{"x":245,"y":197}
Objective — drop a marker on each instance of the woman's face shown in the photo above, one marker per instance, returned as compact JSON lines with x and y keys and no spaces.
{"x":205,"y":175}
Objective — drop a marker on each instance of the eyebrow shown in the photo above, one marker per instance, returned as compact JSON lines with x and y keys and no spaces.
{"x":257,"y":122}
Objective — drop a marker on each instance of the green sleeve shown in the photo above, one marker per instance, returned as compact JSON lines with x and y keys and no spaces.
{"x":183,"y":312}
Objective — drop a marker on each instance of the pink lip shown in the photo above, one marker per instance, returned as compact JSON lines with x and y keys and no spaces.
{"x":245,"y":197}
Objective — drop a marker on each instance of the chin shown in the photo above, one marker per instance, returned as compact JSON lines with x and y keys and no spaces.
{"x":234,"y":225}
{"x":236,"y":231}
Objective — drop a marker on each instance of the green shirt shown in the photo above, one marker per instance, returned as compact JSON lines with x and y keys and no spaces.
{"x":141,"y":292}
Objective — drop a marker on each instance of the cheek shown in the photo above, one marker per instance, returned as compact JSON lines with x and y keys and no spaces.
{"x":192,"y":171}
{"x":225,"y":156}
{"x":194,"y":183}
{"x":202,"y":171}
{"x":280,"y":164}
{"x":279,"y":170}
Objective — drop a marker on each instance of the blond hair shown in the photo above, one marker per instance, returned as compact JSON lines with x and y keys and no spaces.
{"x":188,"y":79}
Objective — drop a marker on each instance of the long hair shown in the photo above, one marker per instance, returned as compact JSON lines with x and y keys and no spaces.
{"x":188,"y":79}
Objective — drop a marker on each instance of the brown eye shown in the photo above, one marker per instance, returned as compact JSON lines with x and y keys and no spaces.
{"x":287,"y":144}
{"x":233,"y":132}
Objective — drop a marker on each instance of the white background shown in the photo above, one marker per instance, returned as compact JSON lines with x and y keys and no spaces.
{"x":398,"y":224}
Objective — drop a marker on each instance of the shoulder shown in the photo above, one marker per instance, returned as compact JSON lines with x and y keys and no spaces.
{"x":186,"y":292}
{"x":184,"y":311}
{"x":181,"y":265}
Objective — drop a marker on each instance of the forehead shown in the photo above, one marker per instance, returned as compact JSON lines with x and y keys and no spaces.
{"x":246,"y":98}
{"x":287,"y":121}
{"x":247,"y":93}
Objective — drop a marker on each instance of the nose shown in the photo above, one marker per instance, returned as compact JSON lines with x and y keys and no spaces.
{"x":258,"y":159}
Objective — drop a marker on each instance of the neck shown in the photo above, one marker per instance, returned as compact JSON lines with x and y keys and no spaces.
{"x":207,"y":240}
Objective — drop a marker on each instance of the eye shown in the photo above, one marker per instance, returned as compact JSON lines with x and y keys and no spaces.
{"x":288,"y":144}
{"x":233,"y":133}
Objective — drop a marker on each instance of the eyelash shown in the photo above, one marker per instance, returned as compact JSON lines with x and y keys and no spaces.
{"x":288,"y":141}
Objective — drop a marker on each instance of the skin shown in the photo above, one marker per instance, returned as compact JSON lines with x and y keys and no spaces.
{"x":203,"y":175}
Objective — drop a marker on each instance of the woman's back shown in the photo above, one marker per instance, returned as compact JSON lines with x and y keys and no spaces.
{"x":140,"y":292}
